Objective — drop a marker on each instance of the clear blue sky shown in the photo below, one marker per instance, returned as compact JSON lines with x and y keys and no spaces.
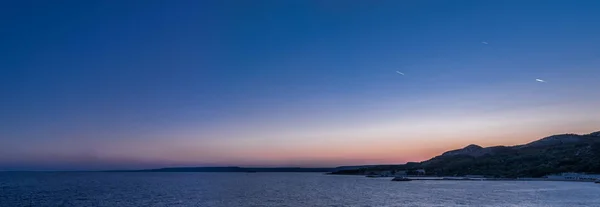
{"x":117,"y":84}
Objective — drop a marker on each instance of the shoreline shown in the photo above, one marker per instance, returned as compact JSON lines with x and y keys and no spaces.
{"x":422,"y":178}
{"x":495,"y":179}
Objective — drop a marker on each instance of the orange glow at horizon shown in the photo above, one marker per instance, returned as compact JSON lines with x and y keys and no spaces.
{"x":377,"y":135}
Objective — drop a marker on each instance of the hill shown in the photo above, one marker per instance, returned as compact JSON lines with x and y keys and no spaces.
{"x":553,"y":154}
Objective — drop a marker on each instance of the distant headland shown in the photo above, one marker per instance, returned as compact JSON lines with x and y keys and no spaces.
{"x":231,"y":169}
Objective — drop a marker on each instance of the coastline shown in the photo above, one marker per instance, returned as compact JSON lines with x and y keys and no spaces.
{"x":452,"y":178}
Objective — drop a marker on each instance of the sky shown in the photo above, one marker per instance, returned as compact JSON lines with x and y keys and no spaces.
{"x":88,"y":85}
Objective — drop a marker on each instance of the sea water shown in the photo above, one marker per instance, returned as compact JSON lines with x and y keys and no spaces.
{"x":279,"y":189}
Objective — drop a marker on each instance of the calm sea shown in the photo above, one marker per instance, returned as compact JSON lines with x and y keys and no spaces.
{"x":278,"y":189}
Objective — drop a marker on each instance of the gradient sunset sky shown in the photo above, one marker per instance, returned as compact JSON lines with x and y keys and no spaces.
{"x":140,"y":84}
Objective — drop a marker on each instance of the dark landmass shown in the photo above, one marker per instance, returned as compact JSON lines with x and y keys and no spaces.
{"x":231,"y":169}
{"x":356,"y":167}
{"x":553,"y":154}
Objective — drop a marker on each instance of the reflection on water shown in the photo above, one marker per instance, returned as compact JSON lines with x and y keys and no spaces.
{"x":278,"y":189}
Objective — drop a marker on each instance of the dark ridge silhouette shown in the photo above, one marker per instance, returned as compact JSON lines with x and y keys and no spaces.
{"x":549,"y":155}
